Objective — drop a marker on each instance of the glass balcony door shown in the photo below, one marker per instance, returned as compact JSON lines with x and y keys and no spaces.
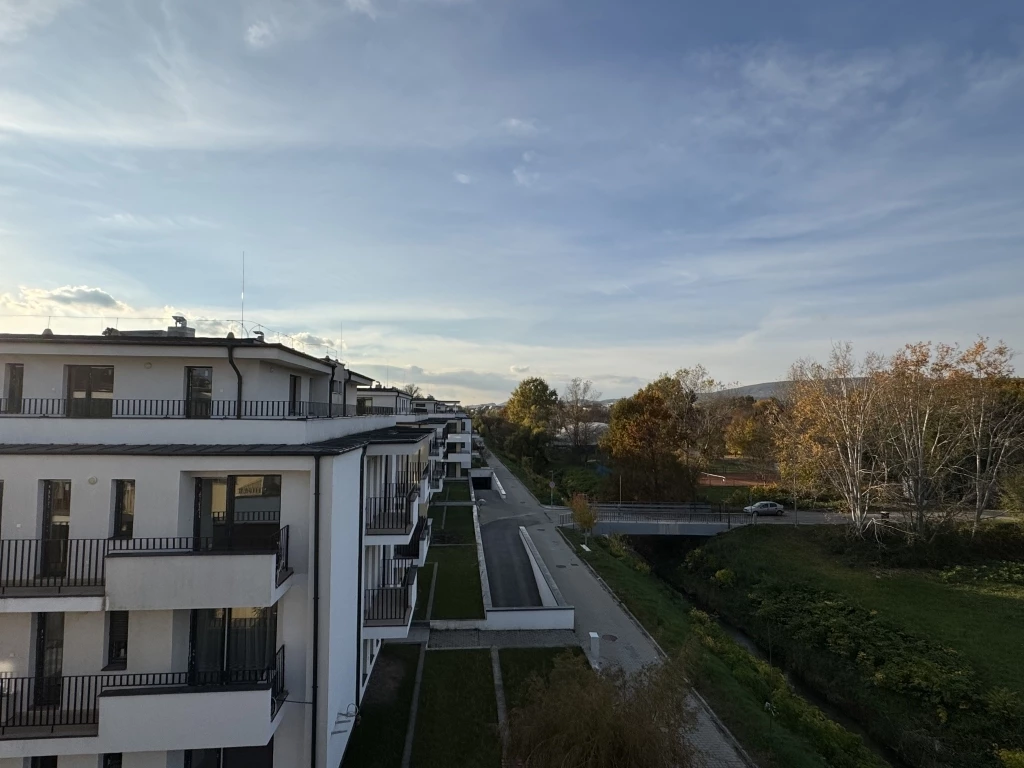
{"x":198,"y":392}
{"x":56,"y":527}
{"x":232,"y":645}
{"x":237,"y":511}
{"x":90,"y":391}
{"x":49,"y":659}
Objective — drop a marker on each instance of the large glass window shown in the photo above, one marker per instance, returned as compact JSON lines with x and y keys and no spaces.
{"x":117,"y":639}
{"x":238,"y":511}
{"x":90,"y":391}
{"x":14,"y":385}
{"x":232,"y":645}
{"x":198,"y":392}
{"x":49,"y":658}
{"x":124,"y":508}
{"x":55,"y":528}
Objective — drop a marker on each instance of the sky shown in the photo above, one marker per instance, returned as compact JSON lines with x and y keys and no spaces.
{"x":462,"y":193}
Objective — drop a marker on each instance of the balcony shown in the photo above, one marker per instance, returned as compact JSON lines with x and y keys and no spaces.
{"x":387,"y":610}
{"x":390,"y":517}
{"x":103,"y":408}
{"x":140,"y":712}
{"x":160,"y":573}
{"x":419,"y":546}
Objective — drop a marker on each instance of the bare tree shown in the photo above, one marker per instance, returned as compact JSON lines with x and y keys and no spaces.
{"x":923,"y":434}
{"x":834,"y":412}
{"x":413,"y":390}
{"x":576,"y":413}
{"x":993,"y":409}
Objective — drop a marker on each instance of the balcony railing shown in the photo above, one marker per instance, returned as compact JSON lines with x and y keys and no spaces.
{"x":78,"y":566}
{"x":391,"y":605}
{"x":390,"y":513}
{"x":102,"y":408}
{"x":412,"y":549}
{"x":45,"y":705}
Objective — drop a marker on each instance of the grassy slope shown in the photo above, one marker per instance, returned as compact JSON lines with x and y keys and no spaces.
{"x":458,"y":594}
{"x":664,"y":613}
{"x":986,"y":626}
{"x":379,"y":738}
{"x":456,"y":490}
{"x":457,"y":720}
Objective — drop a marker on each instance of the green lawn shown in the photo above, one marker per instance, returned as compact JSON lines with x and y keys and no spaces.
{"x":423,"y":579}
{"x":458,"y":594}
{"x":456,"y":490}
{"x":457,"y":720}
{"x":730,"y":680}
{"x":379,"y":737}
{"x":519,"y":664}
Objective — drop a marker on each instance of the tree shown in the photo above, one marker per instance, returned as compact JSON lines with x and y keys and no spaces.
{"x":922,"y":433}
{"x":576,"y":413}
{"x":993,"y":407}
{"x":833,"y":412}
{"x":413,"y":390}
{"x":580,"y":718}
{"x":662,"y":438}
{"x":752,"y":435}
{"x":583,"y":514}
{"x":532,"y":404}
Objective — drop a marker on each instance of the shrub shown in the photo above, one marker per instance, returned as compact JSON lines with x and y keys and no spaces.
{"x":581,"y":480}
{"x":1011,"y":758}
{"x":725,"y":578}
{"x":641,"y":566}
{"x":617,"y":545}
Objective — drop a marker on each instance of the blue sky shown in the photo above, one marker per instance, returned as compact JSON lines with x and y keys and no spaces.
{"x":480,"y":190}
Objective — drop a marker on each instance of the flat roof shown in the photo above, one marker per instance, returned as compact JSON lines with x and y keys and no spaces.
{"x":396,"y":390}
{"x":175,"y":449}
{"x":167,"y":341}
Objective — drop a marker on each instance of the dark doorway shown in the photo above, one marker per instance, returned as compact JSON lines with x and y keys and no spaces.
{"x":198,"y":392}
{"x":14,"y":375}
{"x":294,"y":395}
{"x":90,"y":391}
{"x":49,"y":658}
{"x":56,"y":526}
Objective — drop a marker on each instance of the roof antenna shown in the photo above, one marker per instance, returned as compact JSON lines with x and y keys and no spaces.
{"x":242,"y":323}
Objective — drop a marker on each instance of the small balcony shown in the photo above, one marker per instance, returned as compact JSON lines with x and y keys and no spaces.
{"x":140,"y":712}
{"x":160,"y":573}
{"x":142,"y":408}
{"x":390,"y":517}
{"x":419,"y":546}
{"x":387,"y":609}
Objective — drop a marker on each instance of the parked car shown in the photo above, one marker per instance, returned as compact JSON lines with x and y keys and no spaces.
{"x":765,"y":508}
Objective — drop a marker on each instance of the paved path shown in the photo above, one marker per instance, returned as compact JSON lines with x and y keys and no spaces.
{"x":622,"y":641}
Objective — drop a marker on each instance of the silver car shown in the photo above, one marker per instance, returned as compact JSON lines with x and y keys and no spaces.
{"x":765,"y":508}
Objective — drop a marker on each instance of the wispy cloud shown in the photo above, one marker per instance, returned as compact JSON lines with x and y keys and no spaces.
{"x":77,"y":298}
{"x":463,"y":178}
{"x":261,"y":34}
{"x":524,"y":177}
{"x":18,"y":17}
{"x":137,"y":223}
{"x":520,"y":126}
{"x":518,"y":369}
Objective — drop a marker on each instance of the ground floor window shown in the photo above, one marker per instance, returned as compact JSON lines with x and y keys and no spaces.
{"x":236,"y":757}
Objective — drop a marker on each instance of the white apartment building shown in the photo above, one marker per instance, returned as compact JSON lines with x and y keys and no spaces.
{"x":202,"y":545}
{"x":391,"y":399}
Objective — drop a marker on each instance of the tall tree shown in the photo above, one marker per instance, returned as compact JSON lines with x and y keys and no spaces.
{"x":752,"y":435}
{"x":833,"y":408}
{"x":532,"y":404}
{"x":413,"y":390}
{"x":993,"y":407}
{"x":576,"y":413}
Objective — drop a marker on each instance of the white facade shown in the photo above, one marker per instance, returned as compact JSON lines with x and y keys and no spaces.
{"x":213,"y":566}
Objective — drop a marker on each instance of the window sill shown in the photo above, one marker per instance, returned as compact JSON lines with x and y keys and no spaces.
{"x":115,"y":666}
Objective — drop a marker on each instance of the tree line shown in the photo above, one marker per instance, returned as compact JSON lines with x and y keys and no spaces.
{"x":931,"y":433}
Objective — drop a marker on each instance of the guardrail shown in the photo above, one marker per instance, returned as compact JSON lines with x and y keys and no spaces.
{"x":388,"y":514}
{"x":147,"y":408}
{"x":61,"y":564}
{"x":391,"y":604}
{"x":730,"y":519}
{"x":54,"y":702}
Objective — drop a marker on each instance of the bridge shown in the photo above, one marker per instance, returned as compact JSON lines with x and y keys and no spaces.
{"x":663,"y":519}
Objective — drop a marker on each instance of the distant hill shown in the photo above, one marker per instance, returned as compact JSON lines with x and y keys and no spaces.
{"x":758,"y":391}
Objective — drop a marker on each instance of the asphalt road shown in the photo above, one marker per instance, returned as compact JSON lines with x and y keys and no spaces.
{"x":508,"y":566}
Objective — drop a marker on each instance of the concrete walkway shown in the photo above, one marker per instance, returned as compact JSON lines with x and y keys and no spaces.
{"x":622,"y":642}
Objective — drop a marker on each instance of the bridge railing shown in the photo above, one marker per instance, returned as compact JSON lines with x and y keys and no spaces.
{"x":648,"y":514}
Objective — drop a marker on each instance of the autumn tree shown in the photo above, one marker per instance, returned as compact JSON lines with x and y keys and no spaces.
{"x":834,"y":414}
{"x":662,"y":438}
{"x":583,"y":513}
{"x":532,"y":404}
{"x":579,"y":718}
{"x":752,"y":435}
{"x":992,"y":401}
{"x":576,"y":413}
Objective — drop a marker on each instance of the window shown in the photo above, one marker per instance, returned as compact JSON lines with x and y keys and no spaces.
{"x":198,"y":392}
{"x":112,"y":760}
{"x":117,"y":639}
{"x":90,"y":391}
{"x":124,"y":508}
{"x":44,"y":762}
{"x":14,"y":380}
{"x":294,"y":395}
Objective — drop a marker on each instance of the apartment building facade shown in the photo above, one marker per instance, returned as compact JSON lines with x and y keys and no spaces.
{"x":202,"y":547}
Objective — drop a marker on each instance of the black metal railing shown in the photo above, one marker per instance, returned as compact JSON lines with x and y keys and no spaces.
{"x":412,"y":549}
{"x":63,"y":564}
{"x":391,"y":604}
{"x":388,"y":513}
{"x":393,"y":570}
{"x":148,"y":408}
{"x":70,"y":701}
